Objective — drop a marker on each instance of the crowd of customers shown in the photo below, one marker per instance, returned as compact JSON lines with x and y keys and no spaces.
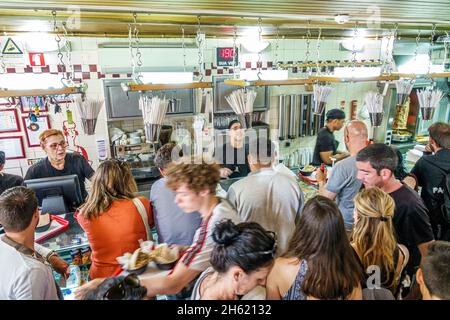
{"x":368,"y":234}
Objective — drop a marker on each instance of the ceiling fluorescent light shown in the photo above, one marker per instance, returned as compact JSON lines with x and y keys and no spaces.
{"x":419,"y":65}
{"x":251,"y":75}
{"x":167,"y":77}
{"x":357,"y":72}
{"x":156,"y":45}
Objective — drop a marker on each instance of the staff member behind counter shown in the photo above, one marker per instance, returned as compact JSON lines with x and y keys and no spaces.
{"x":7,"y":180}
{"x":326,"y":144}
{"x":58,"y":162}
{"x":232,"y":155}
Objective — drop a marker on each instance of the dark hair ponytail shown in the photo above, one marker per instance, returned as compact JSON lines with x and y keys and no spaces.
{"x":246,"y":245}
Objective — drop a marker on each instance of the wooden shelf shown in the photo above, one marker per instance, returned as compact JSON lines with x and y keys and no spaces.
{"x":331,"y":64}
{"x":40,"y":92}
{"x":365,"y":79}
{"x":259,"y":83}
{"x":426,"y":76}
{"x":237,"y":82}
{"x":165,"y":86}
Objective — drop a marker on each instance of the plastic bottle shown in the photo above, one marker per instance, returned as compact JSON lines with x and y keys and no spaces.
{"x":74,"y":279}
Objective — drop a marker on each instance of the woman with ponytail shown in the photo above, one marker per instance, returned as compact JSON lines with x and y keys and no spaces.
{"x":242,"y":258}
{"x":374,"y":237}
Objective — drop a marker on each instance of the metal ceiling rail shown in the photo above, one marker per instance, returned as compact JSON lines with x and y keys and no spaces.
{"x":41,"y":92}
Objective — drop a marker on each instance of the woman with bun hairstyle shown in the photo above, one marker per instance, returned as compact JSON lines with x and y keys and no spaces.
{"x":194,"y":182}
{"x":242,"y":257}
{"x":319,"y":262}
{"x":374,"y":237}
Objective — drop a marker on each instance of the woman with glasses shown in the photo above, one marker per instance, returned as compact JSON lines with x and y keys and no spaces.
{"x":242,"y":257}
{"x":58,"y":162}
{"x":113,"y":218}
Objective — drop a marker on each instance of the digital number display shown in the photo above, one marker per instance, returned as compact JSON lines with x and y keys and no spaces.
{"x":225,"y":56}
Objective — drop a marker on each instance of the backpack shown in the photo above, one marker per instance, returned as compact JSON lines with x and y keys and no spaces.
{"x":446,"y":205}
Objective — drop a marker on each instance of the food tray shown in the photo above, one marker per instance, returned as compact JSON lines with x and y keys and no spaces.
{"x":57,"y":226}
{"x":308,"y":179}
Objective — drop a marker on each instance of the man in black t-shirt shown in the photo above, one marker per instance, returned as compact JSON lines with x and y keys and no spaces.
{"x":58,"y":162}
{"x":376,"y":165}
{"x":7,"y":180}
{"x":431,"y":171}
{"x":326,"y":145}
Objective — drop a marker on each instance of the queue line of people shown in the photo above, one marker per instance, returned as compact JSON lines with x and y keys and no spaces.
{"x":194,"y":185}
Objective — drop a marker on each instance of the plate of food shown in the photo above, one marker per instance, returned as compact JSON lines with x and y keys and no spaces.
{"x":135,"y":262}
{"x":307,"y":170}
{"x":165,"y":257}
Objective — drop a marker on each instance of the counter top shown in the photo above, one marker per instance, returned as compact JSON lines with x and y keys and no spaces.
{"x":73,"y":238}
{"x":309,"y":190}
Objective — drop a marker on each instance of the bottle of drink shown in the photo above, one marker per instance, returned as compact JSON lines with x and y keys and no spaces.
{"x":74,"y":279}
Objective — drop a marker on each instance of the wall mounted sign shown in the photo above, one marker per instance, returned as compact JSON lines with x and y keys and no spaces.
{"x":36,"y":59}
{"x":13,"y":147}
{"x":11,"y":48}
{"x":225,"y":56}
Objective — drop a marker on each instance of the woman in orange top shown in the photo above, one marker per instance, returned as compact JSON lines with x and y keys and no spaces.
{"x":111,"y":219}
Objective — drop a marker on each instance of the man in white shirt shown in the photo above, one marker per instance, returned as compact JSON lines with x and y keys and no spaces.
{"x":266,"y":196}
{"x":24,"y":273}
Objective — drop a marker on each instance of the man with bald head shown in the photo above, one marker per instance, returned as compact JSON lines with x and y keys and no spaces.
{"x":342,"y":184}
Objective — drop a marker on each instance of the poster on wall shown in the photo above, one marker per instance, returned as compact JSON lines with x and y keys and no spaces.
{"x":13,"y":147}
{"x":7,"y":102}
{"x":34,"y":129}
{"x":9,"y":121}
{"x":28,"y":104}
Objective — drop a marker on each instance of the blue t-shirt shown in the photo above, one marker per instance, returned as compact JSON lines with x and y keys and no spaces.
{"x":173,"y":226}
{"x":344,"y":183}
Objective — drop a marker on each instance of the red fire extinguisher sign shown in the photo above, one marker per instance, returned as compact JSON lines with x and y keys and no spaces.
{"x":36,"y":59}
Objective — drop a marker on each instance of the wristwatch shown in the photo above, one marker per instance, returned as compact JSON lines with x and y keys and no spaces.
{"x":50,"y":254}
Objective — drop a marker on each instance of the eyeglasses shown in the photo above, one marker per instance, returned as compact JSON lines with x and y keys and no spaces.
{"x":117,"y":292}
{"x":54,"y":146}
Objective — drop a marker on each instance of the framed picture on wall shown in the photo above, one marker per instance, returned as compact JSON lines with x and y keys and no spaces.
{"x":33,"y":130}
{"x":28,"y":104}
{"x":13,"y":147}
{"x":9,"y":121}
{"x":5,"y":102}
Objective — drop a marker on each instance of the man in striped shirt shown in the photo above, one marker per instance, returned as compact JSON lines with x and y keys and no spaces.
{"x":194,"y":183}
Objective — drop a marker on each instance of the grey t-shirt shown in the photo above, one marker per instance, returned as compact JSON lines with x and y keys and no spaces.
{"x":173,"y":226}
{"x":343,"y":182}
{"x":270,"y":198}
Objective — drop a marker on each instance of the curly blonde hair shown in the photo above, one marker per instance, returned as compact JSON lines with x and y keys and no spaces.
{"x":373,"y":235}
{"x":197,"y":175}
